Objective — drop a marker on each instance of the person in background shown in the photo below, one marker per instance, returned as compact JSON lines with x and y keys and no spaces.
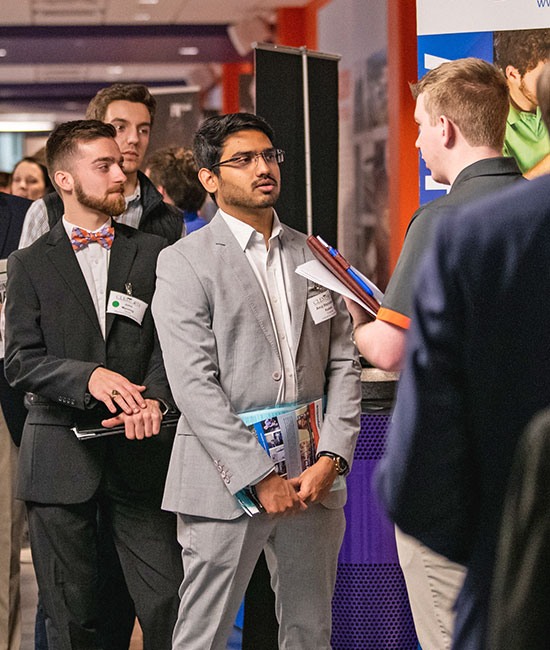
{"x":461,"y":109}
{"x":520,"y":599}
{"x":12,"y":418}
{"x":475,"y":374}
{"x":521,"y":55}
{"x":5,"y":182}
{"x":30,"y":179}
{"x":175,"y":175}
{"x":130,"y":108}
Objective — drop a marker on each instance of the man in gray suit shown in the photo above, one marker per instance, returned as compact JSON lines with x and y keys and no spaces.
{"x":240,"y":330}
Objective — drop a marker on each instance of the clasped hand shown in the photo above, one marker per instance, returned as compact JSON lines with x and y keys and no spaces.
{"x":141,"y":417}
{"x":288,"y":497}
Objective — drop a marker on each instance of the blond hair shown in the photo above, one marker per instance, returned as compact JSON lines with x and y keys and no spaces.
{"x":472,"y":94}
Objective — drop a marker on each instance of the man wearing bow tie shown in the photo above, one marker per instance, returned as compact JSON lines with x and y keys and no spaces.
{"x":80,"y":337}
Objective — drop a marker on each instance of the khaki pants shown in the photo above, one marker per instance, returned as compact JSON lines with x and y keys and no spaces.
{"x":433,"y":583}
{"x":11,"y":528}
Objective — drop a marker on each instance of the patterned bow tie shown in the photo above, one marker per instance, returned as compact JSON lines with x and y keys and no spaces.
{"x":80,"y":238}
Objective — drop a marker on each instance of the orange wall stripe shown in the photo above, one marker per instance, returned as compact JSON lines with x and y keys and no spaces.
{"x":403,"y":156}
{"x":230,"y":84}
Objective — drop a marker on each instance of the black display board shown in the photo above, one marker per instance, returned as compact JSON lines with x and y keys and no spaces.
{"x":280,"y":100}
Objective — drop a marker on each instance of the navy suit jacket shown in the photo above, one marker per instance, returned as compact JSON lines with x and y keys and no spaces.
{"x":12,"y":215}
{"x":477,"y":370}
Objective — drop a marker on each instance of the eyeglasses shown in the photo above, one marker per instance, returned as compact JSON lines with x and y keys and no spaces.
{"x":271,"y":156}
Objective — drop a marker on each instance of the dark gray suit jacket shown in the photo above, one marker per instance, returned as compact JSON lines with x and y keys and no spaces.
{"x":12,"y":216}
{"x":54,"y":343}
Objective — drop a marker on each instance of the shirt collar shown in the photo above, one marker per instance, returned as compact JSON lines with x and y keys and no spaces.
{"x":69,"y":226}
{"x":243,"y":232}
{"x":516,"y":115}
{"x":136,"y":196}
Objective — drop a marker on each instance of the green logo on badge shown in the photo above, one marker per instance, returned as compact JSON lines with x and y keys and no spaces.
{"x":115,"y":303}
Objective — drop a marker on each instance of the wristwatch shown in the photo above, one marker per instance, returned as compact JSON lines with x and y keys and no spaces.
{"x":340,"y":464}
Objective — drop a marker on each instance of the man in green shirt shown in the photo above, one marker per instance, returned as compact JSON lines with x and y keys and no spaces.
{"x":521,"y":55}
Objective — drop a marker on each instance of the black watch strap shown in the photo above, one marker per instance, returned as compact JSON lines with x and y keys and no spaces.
{"x":340,"y":464}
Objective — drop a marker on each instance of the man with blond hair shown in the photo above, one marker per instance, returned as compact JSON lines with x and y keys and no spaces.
{"x":476,"y":373}
{"x":461,"y":109}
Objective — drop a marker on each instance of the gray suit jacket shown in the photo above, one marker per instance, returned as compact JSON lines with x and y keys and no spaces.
{"x":221,"y":359}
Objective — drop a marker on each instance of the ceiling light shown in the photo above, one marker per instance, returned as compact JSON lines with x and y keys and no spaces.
{"x":188,"y":51}
{"x":148,"y":2}
{"x":3,"y":52}
{"x":143,"y":17}
{"x":13,"y":126}
{"x":115,"y":69}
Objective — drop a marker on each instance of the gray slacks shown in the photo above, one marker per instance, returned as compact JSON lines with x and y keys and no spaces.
{"x":218,"y":560}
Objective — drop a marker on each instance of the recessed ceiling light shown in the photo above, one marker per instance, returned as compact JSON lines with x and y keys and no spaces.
{"x":3,"y":52}
{"x":11,"y":126}
{"x":143,"y":17}
{"x":188,"y":51}
{"x":115,"y":69}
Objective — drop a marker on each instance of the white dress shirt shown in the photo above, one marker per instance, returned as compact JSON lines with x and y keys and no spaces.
{"x":271,"y":271}
{"x":93,"y":260}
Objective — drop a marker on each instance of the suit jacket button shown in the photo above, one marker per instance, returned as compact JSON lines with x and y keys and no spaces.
{"x":276,"y":375}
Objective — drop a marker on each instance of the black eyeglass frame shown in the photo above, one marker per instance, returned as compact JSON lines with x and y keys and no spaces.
{"x":279,"y":157}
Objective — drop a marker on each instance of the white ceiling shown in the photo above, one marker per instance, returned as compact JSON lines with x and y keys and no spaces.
{"x":120,"y":12}
{"x":29,"y":13}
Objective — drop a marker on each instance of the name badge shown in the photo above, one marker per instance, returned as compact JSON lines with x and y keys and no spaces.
{"x":124,"y":305}
{"x":321,"y":307}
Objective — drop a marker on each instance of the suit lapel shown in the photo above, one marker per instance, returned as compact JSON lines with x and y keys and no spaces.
{"x":235,"y":261}
{"x":293,"y":256}
{"x":63,"y":258}
{"x":123,"y":253}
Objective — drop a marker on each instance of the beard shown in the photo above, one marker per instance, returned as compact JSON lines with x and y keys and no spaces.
{"x":111,"y":204}
{"x":236,"y":196}
{"x":528,"y":94}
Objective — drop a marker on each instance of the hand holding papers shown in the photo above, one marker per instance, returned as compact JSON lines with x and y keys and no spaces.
{"x":335,"y":273}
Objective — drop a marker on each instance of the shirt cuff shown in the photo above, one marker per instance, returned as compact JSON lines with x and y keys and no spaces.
{"x":393,"y":317}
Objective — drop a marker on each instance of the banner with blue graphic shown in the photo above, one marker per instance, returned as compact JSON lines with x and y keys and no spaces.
{"x":452,"y":29}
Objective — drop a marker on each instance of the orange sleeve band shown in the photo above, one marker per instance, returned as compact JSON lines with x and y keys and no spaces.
{"x":393,"y":317}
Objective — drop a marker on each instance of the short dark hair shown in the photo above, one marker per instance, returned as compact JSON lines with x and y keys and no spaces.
{"x":473,"y":94}
{"x":137,"y":93}
{"x":523,"y":49}
{"x":175,"y":170}
{"x":31,"y":159}
{"x":212,"y":134}
{"x":65,"y":138}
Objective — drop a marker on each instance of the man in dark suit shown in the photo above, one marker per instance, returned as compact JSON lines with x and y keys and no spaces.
{"x":476,"y":372}
{"x":80,"y":337}
{"x":12,"y":417}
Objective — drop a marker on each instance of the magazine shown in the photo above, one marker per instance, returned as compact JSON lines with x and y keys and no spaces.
{"x":289,"y":435}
